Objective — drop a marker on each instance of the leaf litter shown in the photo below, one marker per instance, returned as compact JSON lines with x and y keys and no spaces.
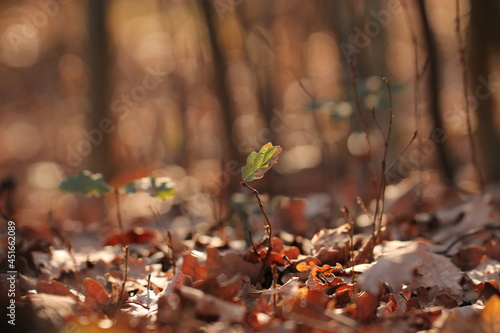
{"x":307,"y":283}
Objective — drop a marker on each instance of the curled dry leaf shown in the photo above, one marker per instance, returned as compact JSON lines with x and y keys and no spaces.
{"x":399,"y":267}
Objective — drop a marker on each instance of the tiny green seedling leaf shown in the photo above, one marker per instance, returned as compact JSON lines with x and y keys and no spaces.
{"x":162,"y":188}
{"x":259,"y":163}
{"x":85,"y":182}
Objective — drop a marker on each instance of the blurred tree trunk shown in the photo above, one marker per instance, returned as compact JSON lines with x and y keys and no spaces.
{"x":485,"y":24}
{"x":265,"y":91}
{"x":220,"y":89}
{"x":433,"y":85}
{"x":100,"y":160}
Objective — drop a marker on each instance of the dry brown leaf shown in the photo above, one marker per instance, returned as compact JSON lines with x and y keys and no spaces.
{"x":365,"y":308}
{"x":456,"y":322}
{"x":53,"y":288}
{"x":52,"y":311}
{"x":438,"y":270}
{"x":56,"y":262}
{"x":487,"y":271}
{"x":331,"y":238}
{"x":490,"y":316}
{"x":399,"y":267}
{"x":221,"y":287}
{"x":395,"y":268}
{"x":209,"y":306}
{"x":191,"y":265}
{"x":95,"y":296}
{"x":473,"y":214}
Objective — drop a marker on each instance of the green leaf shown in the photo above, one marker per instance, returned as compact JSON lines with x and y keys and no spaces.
{"x":162,"y":188}
{"x":85,"y":182}
{"x":259,"y":163}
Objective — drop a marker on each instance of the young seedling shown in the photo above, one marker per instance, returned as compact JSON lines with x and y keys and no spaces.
{"x":93,"y":185}
{"x":256,"y":167}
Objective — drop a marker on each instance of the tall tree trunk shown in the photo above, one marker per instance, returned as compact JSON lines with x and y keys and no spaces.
{"x":433,"y":85}
{"x":485,"y":24}
{"x":100,"y":159}
{"x":220,"y":81}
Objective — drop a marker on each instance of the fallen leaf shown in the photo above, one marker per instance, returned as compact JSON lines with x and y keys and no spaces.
{"x":95,"y":296}
{"x":487,"y":271}
{"x":395,"y":268}
{"x":210,"y":306}
{"x":53,"y":288}
{"x":490,"y":316}
{"x":414,"y":265}
{"x":52,"y":311}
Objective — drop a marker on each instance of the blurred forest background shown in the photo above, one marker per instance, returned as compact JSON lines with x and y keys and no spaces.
{"x":187,"y":88}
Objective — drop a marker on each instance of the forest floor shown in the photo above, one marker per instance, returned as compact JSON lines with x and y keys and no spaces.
{"x":437,"y":271}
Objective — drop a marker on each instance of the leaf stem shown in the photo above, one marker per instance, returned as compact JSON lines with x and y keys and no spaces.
{"x":119,"y":217}
{"x":267,"y":227}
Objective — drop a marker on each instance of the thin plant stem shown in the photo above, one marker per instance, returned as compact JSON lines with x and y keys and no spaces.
{"x":465,"y":82}
{"x":171,"y":258}
{"x":119,"y":217}
{"x":402,"y":152}
{"x":254,"y":247}
{"x":149,"y":287}
{"x":379,"y":207}
{"x":125,"y":274}
{"x":363,"y":208}
{"x":347,"y":216}
{"x":268,"y":227}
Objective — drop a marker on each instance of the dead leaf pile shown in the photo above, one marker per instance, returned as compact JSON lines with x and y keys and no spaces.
{"x":442,"y":284}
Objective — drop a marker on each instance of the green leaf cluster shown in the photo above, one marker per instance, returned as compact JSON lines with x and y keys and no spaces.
{"x":85,"y":182}
{"x":162,"y":188}
{"x":259,"y":163}
{"x":93,"y":184}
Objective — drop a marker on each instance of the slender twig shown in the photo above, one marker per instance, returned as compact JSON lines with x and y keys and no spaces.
{"x":402,"y":152}
{"x":347,"y":216}
{"x":170,"y":244}
{"x":359,"y":110}
{"x":267,"y":228}
{"x":149,"y":287}
{"x":275,"y":275}
{"x":465,"y":82}
{"x":363,"y":208}
{"x":416,"y":100}
{"x":125,"y":275}
{"x":78,"y":276}
{"x":366,"y":250}
{"x":119,"y":217}
{"x":254,"y":247}
{"x":379,"y":207}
